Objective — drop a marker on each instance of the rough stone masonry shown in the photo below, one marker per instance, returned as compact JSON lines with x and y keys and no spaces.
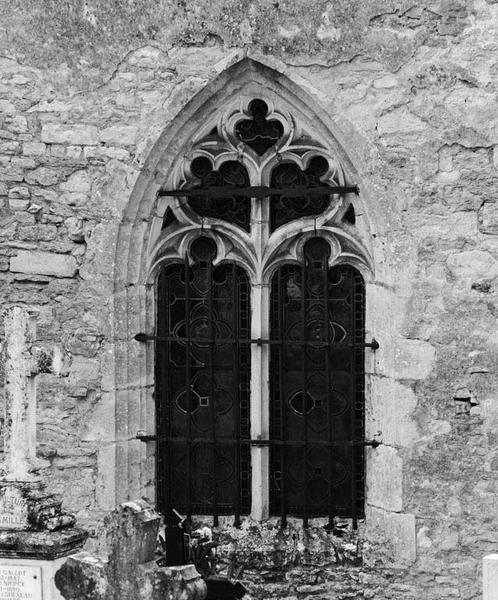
{"x":87,"y":89}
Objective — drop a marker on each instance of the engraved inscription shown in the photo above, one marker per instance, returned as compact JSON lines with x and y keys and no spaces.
{"x":20,"y":583}
{"x":13,"y":509}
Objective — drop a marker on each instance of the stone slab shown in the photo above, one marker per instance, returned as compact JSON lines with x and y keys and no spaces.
{"x":490,"y":577}
{"x":44,"y":545}
{"x":23,"y":579}
{"x":18,"y":582}
{"x":44,"y":263}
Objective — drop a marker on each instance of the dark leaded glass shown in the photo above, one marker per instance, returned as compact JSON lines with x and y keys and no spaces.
{"x":235,"y":209}
{"x":316,"y":388}
{"x":284,"y":209}
{"x":259,"y":133}
{"x":202,"y":386}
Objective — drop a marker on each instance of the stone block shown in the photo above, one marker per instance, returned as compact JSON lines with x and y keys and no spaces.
{"x":132,"y":533}
{"x":118,"y":135}
{"x":17,"y":204}
{"x":58,"y":133}
{"x":77,"y":182}
{"x":414,"y":359}
{"x":395,"y":531}
{"x":43,"y":176}
{"x":488,"y":218}
{"x":82,"y":577}
{"x":19,"y":192}
{"x":490,"y":577}
{"x":470,"y":266}
{"x":389,"y":408}
{"x":384,"y":478}
{"x":44,"y":263}
{"x":400,"y":122}
{"x":33,"y":148}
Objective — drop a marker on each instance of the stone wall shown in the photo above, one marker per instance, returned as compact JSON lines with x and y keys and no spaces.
{"x":86,"y":93}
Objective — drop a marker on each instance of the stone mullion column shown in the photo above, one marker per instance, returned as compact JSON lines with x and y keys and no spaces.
{"x":20,"y":408}
{"x":260,"y":426}
{"x":260,"y":356}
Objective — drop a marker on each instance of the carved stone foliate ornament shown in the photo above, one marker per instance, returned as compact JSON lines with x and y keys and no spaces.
{"x":256,"y":145}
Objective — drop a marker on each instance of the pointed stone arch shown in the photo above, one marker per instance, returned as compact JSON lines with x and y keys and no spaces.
{"x":134,"y":272}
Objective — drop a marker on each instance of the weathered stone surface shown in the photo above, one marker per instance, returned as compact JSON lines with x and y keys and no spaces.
{"x":414,"y":359}
{"x":385,"y":479}
{"x":394,"y":531}
{"x":472,"y":265}
{"x":77,"y":182}
{"x":389,"y":413}
{"x":129,"y":572}
{"x":58,"y":133}
{"x":409,"y":93}
{"x":118,"y":135}
{"x":44,"y":263}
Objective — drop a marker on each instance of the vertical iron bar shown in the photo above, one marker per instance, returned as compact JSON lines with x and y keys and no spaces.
{"x":359,"y":351}
{"x":328,"y":383}
{"x":236,"y":391}
{"x":281,"y":358}
{"x":188,"y":379}
{"x":352,"y":387}
{"x":211,"y":392}
{"x":163,"y":492}
{"x":304,"y":392}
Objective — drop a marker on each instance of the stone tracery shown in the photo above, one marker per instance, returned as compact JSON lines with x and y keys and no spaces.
{"x":257,"y":145}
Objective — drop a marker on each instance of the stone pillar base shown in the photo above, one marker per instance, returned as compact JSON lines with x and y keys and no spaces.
{"x":30,"y":559}
{"x":29,"y":578}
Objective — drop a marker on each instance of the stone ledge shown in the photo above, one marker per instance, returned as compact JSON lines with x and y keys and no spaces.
{"x":42,"y":545}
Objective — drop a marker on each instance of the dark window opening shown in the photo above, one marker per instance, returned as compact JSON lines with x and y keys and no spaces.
{"x":284,"y":209}
{"x":259,"y":133}
{"x":202,"y":386}
{"x":236,"y":209}
{"x":316,"y":388}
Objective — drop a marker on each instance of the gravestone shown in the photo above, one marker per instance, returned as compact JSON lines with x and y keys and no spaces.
{"x":129,"y":570}
{"x":35,"y":533}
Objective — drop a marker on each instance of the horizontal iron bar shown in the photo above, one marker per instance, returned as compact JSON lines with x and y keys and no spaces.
{"x":261,"y":191}
{"x":257,"y":443}
{"x":144,"y":337}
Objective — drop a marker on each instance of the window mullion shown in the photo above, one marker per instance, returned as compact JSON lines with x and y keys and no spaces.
{"x":260,"y":357}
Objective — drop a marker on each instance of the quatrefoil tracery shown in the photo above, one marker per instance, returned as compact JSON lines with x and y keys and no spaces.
{"x":257,"y":148}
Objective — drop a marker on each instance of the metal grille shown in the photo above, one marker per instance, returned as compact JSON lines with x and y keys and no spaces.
{"x":202,"y":386}
{"x":316,"y":388}
{"x":259,"y":133}
{"x":286,"y":207}
{"x":231,"y":174}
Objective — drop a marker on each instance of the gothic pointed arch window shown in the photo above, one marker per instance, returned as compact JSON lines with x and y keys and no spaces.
{"x":259,"y":371}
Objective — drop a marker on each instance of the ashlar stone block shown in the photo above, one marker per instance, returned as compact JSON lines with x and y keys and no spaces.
{"x":119,"y":135}
{"x":414,"y":359}
{"x":57,"y":133}
{"x":472,"y":265}
{"x":44,"y":263}
{"x":389,"y":411}
{"x":385,"y":478}
{"x":395,"y":531}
